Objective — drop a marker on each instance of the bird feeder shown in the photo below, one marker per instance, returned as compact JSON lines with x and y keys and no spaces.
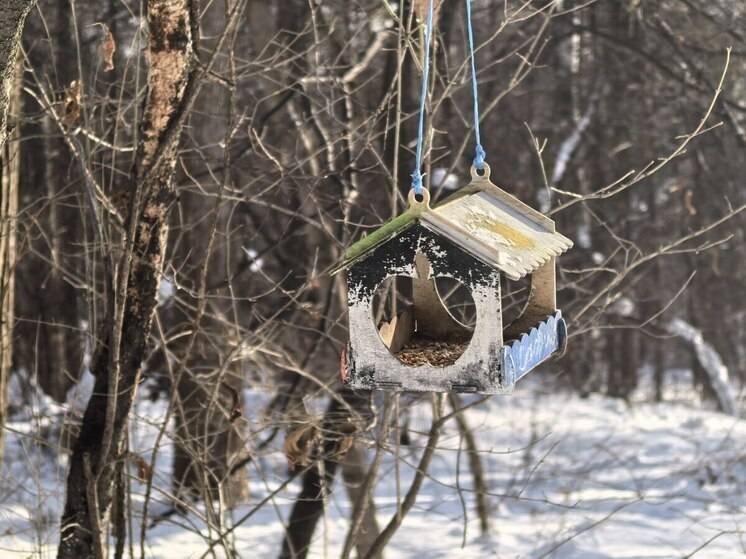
{"x":472,"y":237}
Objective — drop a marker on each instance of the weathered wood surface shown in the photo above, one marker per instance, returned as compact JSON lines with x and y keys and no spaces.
{"x":473,"y":236}
{"x":430,"y":312}
{"x":372,"y":365}
{"x":482,"y":219}
{"x":495,"y":232}
{"x":395,"y":334}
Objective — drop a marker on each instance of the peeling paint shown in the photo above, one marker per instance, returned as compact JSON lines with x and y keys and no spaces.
{"x":478,"y":369}
{"x":471,"y":238}
{"x":507,"y":235}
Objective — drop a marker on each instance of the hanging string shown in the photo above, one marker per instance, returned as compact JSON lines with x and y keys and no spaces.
{"x":417,"y":175}
{"x":479,"y":153}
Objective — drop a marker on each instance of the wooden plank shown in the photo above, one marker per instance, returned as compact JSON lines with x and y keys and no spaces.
{"x":432,"y":316}
{"x":396,"y":333}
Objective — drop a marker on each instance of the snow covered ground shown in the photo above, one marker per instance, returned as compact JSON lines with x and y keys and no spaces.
{"x":569,"y":478}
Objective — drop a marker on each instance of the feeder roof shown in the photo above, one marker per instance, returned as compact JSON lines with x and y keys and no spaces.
{"x":484,"y":221}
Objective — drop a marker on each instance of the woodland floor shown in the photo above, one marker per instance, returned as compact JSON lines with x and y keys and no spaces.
{"x":570,"y":478}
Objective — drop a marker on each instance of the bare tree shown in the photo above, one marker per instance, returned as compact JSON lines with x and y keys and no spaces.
{"x":99,"y":450}
{"x":187,"y":184}
{"x":12,"y":18}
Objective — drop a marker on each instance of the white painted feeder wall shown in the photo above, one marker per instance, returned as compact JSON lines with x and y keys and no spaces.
{"x":370,"y":349}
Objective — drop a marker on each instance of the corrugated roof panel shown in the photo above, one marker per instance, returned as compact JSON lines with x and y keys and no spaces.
{"x":497,"y":232}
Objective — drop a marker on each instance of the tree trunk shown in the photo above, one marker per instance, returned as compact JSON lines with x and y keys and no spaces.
{"x":47,"y":341}
{"x":317,"y":480}
{"x":10,"y":157}
{"x":475,"y":464}
{"x":209,"y":436}
{"x":208,"y":413}
{"x":354,"y":473}
{"x":57,"y":298}
{"x":117,"y":364}
{"x":12,"y":17}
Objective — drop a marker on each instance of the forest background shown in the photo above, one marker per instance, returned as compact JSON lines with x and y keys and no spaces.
{"x":180,"y":176}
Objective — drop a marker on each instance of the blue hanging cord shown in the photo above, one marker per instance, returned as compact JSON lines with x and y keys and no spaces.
{"x":417,"y":175}
{"x":479,"y":153}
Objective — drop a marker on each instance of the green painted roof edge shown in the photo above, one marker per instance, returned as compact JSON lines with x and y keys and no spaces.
{"x":389,"y":229}
{"x":397,"y":224}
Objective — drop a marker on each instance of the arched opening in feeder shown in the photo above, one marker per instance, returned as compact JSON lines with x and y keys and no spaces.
{"x":514,"y":298}
{"x":424,"y":322}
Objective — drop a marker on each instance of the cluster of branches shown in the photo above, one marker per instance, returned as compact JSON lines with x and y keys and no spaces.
{"x":181,"y":178}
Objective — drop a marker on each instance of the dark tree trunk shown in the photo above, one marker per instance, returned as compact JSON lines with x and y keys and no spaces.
{"x":475,"y":464}
{"x":47,"y":342}
{"x":57,"y":298}
{"x":309,"y":504}
{"x":9,"y":157}
{"x":317,"y":480}
{"x":208,"y":416}
{"x":209,"y":435}
{"x":355,"y":472}
{"x":12,"y":17}
{"x":623,"y":364}
{"x":117,"y":364}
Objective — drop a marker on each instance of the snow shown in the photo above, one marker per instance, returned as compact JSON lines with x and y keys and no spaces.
{"x":166,"y":291}
{"x":569,"y":145}
{"x":568,"y":478}
{"x":443,"y":179}
{"x":78,"y":395}
{"x":583,"y":236}
{"x":711,"y":363}
{"x":623,"y":306}
{"x":256,"y":263}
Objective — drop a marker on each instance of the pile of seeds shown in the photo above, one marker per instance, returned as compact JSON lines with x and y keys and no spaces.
{"x":421,"y":351}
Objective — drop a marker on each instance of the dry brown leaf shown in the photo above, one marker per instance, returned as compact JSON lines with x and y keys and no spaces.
{"x":299,"y":444}
{"x":345,"y":444}
{"x":108,"y":48}
{"x":344,"y":367}
{"x":71,"y":110}
{"x":421,"y":7}
{"x":144,"y":471}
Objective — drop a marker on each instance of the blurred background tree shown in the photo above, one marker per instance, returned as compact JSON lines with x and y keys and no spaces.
{"x":300,"y":141}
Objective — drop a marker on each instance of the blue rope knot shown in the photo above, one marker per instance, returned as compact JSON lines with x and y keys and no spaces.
{"x":479,"y":157}
{"x":417,"y":182}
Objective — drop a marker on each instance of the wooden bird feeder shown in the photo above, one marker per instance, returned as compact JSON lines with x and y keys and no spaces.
{"x":472,"y":237}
